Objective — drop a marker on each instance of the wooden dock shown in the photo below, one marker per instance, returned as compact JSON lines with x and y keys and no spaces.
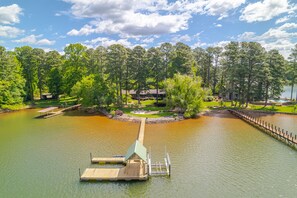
{"x":141,"y":130}
{"x":136,"y":164}
{"x":132,"y":171}
{"x":270,"y":129}
{"x":49,"y":112}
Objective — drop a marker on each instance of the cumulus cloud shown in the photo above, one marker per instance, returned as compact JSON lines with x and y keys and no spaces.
{"x":221,"y":8}
{"x":282,"y":20}
{"x":181,"y":38}
{"x":10,"y":14}
{"x":143,"y":17}
{"x":104,"y":41}
{"x":265,"y":10}
{"x":10,"y":32}
{"x":35,"y":40}
{"x":281,"y":38}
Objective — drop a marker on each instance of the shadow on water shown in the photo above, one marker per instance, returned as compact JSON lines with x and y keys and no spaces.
{"x":81,"y":113}
{"x":219,"y":114}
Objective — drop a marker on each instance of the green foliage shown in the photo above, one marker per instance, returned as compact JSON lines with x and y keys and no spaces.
{"x":92,"y":90}
{"x":139,"y":69}
{"x":29,"y":68}
{"x":55,"y":76}
{"x":74,"y":67}
{"x":185,"y":93}
{"x":242,"y":72}
{"x":117,"y":58}
{"x":11,"y":81}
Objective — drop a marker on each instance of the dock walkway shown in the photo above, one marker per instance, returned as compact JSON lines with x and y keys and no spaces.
{"x":141,"y":131}
{"x":136,"y":164}
{"x":132,"y":171}
{"x":270,"y":129}
{"x":49,"y":112}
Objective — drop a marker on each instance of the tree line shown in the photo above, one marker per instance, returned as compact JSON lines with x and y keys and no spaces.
{"x":241,"y":71}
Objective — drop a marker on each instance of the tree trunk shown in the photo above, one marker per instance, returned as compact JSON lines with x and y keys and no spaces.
{"x":157,"y":90}
{"x":266,"y":94}
{"x":138,"y":94}
{"x":292,"y":89}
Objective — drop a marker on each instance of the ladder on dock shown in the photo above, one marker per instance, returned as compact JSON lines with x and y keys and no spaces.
{"x":159,"y":168}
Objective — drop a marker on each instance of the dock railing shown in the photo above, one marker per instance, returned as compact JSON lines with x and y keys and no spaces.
{"x":280,"y":134}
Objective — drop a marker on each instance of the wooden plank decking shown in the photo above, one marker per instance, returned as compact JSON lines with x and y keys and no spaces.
{"x":108,"y":160}
{"x":141,"y":131}
{"x":132,"y":171}
{"x":48,"y":112}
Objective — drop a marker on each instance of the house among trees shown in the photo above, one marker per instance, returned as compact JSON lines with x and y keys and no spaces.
{"x":147,"y":94}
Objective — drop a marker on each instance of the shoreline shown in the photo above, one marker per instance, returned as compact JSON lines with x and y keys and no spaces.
{"x":160,"y":120}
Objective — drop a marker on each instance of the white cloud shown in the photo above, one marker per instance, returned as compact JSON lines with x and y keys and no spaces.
{"x":221,"y":7}
{"x":265,"y":10}
{"x":35,"y":40}
{"x":181,"y":38}
{"x":218,"y":25}
{"x":282,"y":20}
{"x":11,"y":32}
{"x":143,"y":17}
{"x":148,"y":40}
{"x":136,"y":24}
{"x":281,"y":38}
{"x":104,"y":41}
{"x":198,"y":44}
{"x":10,"y":14}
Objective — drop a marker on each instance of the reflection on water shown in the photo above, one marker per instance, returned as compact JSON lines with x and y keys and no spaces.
{"x":216,"y":155}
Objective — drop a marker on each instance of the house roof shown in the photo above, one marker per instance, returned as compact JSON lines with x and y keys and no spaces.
{"x":138,"y":149}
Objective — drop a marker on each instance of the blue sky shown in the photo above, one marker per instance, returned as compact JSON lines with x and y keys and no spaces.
{"x":52,"y":24}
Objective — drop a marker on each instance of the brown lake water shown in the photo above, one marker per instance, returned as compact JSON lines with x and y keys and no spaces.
{"x":216,"y":155}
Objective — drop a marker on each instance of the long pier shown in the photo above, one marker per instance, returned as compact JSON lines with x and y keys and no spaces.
{"x":136,"y":164}
{"x":141,"y":131}
{"x":270,"y":129}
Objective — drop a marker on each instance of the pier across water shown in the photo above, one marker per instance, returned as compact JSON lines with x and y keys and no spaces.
{"x":270,"y":129}
{"x":136,"y":164}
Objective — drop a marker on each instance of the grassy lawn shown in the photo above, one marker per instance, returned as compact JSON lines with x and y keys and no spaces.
{"x":65,"y":101}
{"x":216,"y":105}
{"x":147,"y":105}
{"x":285,"y":109}
{"x":212,"y":105}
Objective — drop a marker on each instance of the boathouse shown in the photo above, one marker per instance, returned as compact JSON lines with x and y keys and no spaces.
{"x":136,"y":153}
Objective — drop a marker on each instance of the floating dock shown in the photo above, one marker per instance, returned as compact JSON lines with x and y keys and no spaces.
{"x":270,"y":129}
{"x":49,"y":112}
{"x":136,"y":164}
{"x":132,"y":171}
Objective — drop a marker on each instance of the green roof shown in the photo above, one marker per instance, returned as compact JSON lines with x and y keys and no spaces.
{"x":138,"y":149}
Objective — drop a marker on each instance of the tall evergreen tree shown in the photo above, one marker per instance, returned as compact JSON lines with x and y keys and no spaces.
{"x":24,"y":55}
{"x":117,"y":57}
{"x":293,"y":69}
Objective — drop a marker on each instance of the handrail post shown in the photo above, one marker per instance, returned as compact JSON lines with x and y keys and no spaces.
{"x":79,"y":174}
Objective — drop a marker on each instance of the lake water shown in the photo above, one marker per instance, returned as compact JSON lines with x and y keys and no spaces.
{"x":216,"y":155}
{"x":287,"y":92}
